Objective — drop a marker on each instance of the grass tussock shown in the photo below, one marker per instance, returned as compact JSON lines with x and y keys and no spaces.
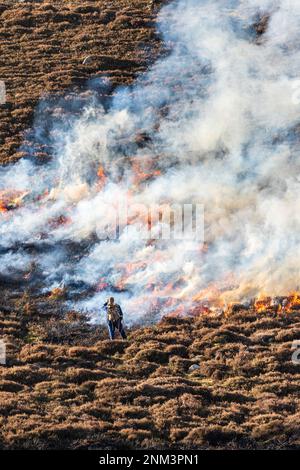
{"x":85,"y":390}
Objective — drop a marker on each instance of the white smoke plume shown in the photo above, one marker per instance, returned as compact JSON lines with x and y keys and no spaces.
{"x":222,"y":129}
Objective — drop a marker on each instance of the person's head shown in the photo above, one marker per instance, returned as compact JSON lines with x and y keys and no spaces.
{"x":111,"y":301}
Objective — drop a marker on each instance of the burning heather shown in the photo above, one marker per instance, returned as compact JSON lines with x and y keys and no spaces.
{"x":213,"y":124}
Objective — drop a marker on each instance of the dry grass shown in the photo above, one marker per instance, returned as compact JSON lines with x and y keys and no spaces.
{"x":43,"y":47}
{"x":65,"y":385}
{"x":84,"y":390}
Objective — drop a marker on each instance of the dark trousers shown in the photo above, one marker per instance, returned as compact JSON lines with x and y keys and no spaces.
{"x":113,"y":325}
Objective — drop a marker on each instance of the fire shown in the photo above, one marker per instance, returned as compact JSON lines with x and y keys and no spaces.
{"x":11,"y":199}
{"x":212,"y":301}
{"x":101,"y":177}
{"x":284,"y":304}
{"x":128,"y":270}
{"x":292,"y":302}
{"x":261,"y":305}
{"x":102,"y":285}
{"x":57,"y":293}
{"x":178,"y":312}
{"x":211,"y":294}
{"x":143,"y":170}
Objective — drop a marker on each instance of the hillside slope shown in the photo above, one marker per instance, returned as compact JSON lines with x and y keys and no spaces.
{"x":50,"y":47}
{"x":66,"y":386}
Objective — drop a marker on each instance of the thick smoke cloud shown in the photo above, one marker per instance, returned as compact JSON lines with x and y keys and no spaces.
{"x":221,"y":125}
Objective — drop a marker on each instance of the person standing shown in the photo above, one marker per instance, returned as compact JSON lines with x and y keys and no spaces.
{"x":114,"y":318}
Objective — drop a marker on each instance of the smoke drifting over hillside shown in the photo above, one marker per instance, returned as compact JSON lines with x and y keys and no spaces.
{"x":215,"y":122}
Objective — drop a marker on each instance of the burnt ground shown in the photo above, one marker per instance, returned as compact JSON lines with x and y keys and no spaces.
{"x":64,"y":384}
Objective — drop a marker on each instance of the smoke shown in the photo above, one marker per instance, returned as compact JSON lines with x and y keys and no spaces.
{"x":214,"y":122}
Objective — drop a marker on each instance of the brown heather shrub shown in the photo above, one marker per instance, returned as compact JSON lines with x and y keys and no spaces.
{"x":177,"y":350}
{"x":138,"y":369}
{"x":73,"y":430}
{"x":126,"y":411}
{"x":65,"y":393}
{"x":26,"y":375}
{"x":270,"y":403}
{"x":282,"y":352}
{"x":10,"y":386}
{"x":237,"y":382}
{"x":214,"y":369}
{"x":179,"y":365}
{"x":122,"y":21}
{"x":265,"y":431}
{"x":96,"y":409}
{"x":25,"y":30}
{"x":170,"y":387}
{"x":222,"y":395}
{"x":291,"y":334}
{"x":143,"y":423}
{"x":108,"y":347}
{"x":135,"y":435}
{"x":41,"y":357}
{"x":179,"y":411}
{"x":279,"y":386}
{"x":215,"y":435}
{"x":289,"y":368}
{"x":91,"y":354}
{"x":86,"y":9}
{"x":152,"y":355}
{"x":79,"y":376}
{"x":223,"y":335}
{"x":8,"y":331}
{"x":264,"y":337}
{"x":50,"y":385}
{"x":41,"y":350}
{"x":291,"y":424}
{"x":114,"y":389}
{"x":265,"y":323}
{"x":87,"y":391}
{"x":173,"y":337}
{"x":89,"y":386}
{"x":162,"y":371}
{"x":226,"y":413}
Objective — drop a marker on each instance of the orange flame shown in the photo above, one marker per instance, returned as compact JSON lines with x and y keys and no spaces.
{"x":143,"y":170}
{"x":101,"y":177}
{"x":102,"y":285}
{"x":57,"y":293}
{"x":11,"y":199}
{"x":292,"y":302}
{"x":262,"y":305}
